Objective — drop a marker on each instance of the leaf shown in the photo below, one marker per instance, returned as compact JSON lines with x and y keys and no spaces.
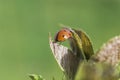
{"x":82,"y":43}
{"x":109,"y":52}
{"x":67,"y":61}
{"x":36,"y":77}
{"x":96,"y":71}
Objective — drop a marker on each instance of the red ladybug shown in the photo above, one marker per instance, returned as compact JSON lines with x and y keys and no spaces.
{"x":63,"y":35}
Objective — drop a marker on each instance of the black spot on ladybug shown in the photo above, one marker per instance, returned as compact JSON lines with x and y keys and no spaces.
{"x":63,"y":35}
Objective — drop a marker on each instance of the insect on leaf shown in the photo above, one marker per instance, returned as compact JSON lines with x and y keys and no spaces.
{"x":70,"y":59}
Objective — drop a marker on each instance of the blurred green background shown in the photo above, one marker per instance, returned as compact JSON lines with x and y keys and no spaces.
{"x":25,"y":24}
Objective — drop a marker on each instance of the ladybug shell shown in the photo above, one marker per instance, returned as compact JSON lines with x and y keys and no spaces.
{"x":63,"y":35}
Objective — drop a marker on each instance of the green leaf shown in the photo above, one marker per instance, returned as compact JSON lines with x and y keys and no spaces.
{"x":86,"y":43}
{"x":36,"y":77}
{"x":96,"y":71}
{"x":81,"y":44}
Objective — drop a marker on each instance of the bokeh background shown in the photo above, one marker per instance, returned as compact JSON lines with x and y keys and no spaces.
{"x":25,"y":24}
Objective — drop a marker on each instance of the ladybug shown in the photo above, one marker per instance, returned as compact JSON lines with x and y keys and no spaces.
{"x":63,"y":35}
